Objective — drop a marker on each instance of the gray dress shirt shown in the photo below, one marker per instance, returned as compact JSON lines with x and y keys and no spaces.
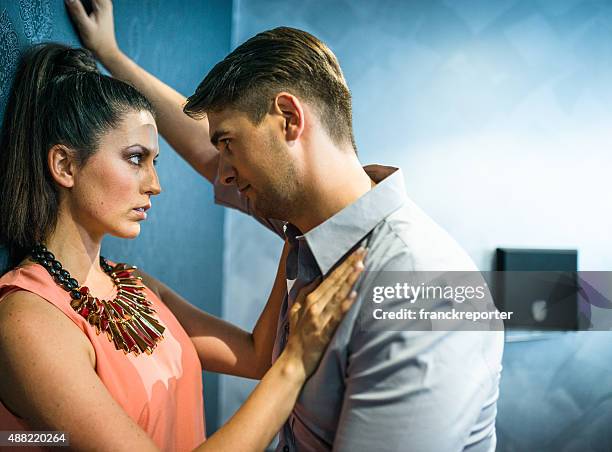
{"x":386,"y":390}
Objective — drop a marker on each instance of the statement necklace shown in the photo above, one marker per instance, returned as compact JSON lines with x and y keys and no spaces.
{"x":127,"y":320}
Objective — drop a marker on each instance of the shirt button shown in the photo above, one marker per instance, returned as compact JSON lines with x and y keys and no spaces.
{"x":286,"y":448}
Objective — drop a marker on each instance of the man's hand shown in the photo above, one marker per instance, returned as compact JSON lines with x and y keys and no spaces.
{"x":97,"y":30}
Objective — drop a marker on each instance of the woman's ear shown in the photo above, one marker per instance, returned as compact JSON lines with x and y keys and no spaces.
{"x":290,"y":108}
{"x":62,"y":165}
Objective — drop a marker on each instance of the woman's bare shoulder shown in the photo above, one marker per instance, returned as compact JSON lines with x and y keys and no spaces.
{"x":47,"y":378}
{"x":28,"y":320}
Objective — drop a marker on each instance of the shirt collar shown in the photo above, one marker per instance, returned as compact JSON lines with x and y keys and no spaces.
{"x":335,"y":237}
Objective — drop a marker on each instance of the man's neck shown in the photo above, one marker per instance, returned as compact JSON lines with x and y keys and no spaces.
{"x":332,"y":185}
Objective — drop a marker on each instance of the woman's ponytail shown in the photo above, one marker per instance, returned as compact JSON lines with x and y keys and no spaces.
{"x":58,"y":97}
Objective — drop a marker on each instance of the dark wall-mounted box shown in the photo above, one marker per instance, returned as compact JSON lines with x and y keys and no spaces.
{"x":539,"y":286}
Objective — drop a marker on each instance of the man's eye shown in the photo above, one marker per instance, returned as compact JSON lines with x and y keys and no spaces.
{"x":135,"y":159}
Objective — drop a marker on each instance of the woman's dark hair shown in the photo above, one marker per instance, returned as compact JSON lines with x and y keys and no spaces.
{"x":58,"y":97}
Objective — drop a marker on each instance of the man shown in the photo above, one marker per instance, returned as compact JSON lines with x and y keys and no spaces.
{"x":278,"y":113}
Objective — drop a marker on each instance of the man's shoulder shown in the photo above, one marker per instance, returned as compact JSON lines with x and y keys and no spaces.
{"x":410,"y":240}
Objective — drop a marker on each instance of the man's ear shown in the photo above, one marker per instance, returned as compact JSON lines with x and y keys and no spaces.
{"x":291,"y":109}
{"x":62,"y":165}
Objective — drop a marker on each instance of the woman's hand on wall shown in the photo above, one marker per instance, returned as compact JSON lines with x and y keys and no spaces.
{"x":97,"y":30}
{"x":190,"y":138}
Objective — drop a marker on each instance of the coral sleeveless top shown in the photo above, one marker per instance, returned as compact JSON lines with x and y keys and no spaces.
{"x":161,"y":392}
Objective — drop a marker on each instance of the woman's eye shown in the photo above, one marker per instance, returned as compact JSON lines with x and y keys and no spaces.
{"x":135,"y":159}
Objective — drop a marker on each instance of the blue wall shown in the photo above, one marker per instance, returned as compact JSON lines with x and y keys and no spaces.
{"x":177,"y":41}
{"x":556,"y":392}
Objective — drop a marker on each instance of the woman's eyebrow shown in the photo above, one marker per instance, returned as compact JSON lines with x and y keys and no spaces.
{"x":145,"y":149}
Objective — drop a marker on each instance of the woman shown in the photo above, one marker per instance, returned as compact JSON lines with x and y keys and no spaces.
{"x":109,"y":355}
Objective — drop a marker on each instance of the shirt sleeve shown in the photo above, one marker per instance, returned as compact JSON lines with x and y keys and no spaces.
{"x":229,"y":196}
{"x":419,"y":390}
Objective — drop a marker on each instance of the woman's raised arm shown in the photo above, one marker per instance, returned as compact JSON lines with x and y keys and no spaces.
{"x":187,"y":136}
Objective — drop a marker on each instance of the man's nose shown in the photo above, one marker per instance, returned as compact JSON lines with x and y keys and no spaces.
{"x":227,"y":173}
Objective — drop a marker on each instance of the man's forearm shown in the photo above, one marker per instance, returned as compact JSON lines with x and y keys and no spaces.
{"x":187,"y":136}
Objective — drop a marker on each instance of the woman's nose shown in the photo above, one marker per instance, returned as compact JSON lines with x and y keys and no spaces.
{"x":153,"y":186}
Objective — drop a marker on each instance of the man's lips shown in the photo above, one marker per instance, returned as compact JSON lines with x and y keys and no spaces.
{"x":142,"y":211}
{"x":143,"y":208}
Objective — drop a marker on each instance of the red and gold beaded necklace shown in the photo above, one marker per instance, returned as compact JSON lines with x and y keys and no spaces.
{"x":127,"y":320}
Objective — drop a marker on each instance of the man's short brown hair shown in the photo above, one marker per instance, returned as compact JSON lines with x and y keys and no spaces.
{"x":282,"y":59}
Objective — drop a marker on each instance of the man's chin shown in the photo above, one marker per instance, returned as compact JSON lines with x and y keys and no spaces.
{"x":266,"y":212}
{"x":274,"y":208}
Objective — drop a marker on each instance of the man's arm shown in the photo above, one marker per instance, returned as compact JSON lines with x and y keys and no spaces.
{"x":413,"y":391}
{"x":187,"y":136}
{"x":417,"y":390}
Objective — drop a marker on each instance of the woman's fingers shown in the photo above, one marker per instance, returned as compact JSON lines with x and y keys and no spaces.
{"x":308,"y":289}
{"x":101,"y":5}
{"x":78,"y":13}
{"x":294,"y":314}
{"x":300,"y":301}
{"x":331,"y":318}
{"x":342,"y":290}
{"x":339,"y":275}
{"x":340,"y":296}
{"x":338,"y":284}
{"x":316,"y":313}
{"x":329,"y":299}
{"x":330,"y":307}
{"x":339,"y":302}
{"x":97,"y":30}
